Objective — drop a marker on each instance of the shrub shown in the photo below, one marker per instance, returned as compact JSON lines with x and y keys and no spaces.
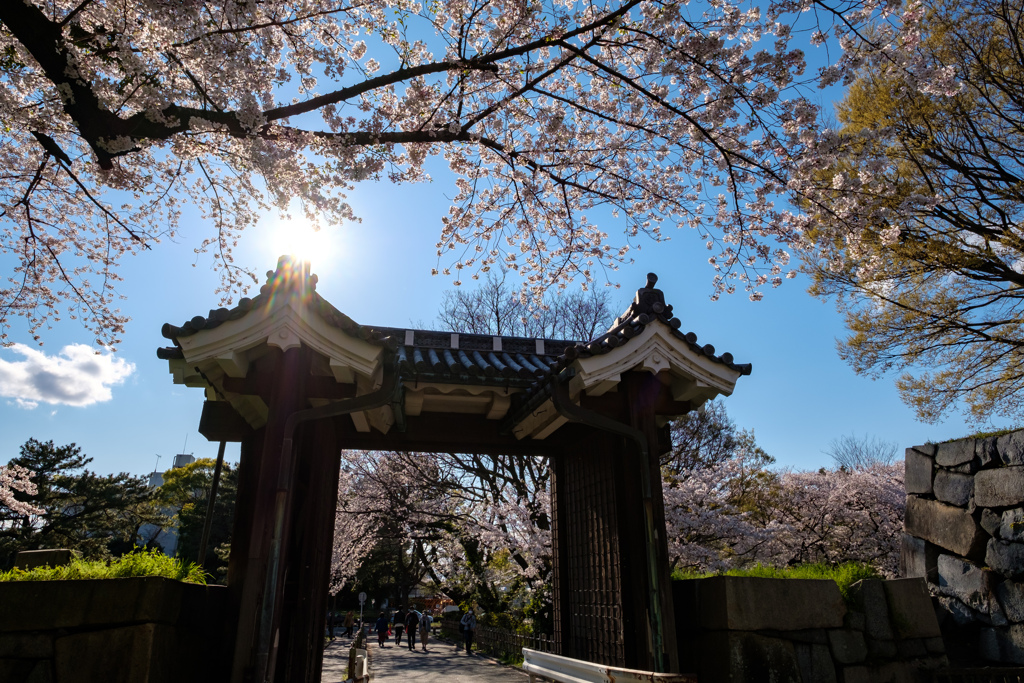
{"x":845,"y":574}
{"x":141,"y":563}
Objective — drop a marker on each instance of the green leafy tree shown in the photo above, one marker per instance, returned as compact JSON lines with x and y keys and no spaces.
{"x":96,"y":515}
{"x":923,"y":248}
{"x":185,"y":494}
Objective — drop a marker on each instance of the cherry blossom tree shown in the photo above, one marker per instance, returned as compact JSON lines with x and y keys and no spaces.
{"x":16,"y":478}
{"x":828,"y":516}
{"x":474,"y":525}
{"x":836,"y":516}
{"x":708,"y":527}
{"x":562,"y":122}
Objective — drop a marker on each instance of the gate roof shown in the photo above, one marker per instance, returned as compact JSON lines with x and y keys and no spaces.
{"x":499,"y":378}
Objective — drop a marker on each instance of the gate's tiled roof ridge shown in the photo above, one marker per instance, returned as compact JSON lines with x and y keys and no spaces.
{"x":647,"y":306}
{"x":513,"y":361}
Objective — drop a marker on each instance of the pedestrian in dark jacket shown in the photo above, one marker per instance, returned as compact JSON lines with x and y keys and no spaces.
{"x":399,"y":626}
{"x":468,"y":623}
{"x":382,"y":629}
{"x":412,"y":620}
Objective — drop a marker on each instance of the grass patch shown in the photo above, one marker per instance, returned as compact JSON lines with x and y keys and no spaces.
{"x":511,"y":660}
{"x":983,"y":435}
{"x":845,"y":574}
{"x":142,"y":563}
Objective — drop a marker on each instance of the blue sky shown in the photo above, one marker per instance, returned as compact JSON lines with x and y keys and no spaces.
{"x":799,"y":397}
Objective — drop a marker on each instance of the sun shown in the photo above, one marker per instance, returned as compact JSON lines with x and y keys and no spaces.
{"x":299,"y":239}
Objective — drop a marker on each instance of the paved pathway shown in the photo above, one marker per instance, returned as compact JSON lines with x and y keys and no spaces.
{"x":441,"y":663}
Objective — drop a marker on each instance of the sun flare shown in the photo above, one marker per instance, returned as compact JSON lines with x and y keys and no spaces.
{"x":299,"y":239}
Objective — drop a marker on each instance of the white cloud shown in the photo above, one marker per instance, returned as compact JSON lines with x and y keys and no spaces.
{"x":77,"y":376}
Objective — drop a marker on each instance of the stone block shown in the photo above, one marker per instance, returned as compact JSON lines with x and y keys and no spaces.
{"x":881,"y":649}
{"x":848,"y":647}
{"x":120,"y":655}
{"x":972,"y":585}
{"x":935,"y":646}
{"x":745,"y":603}
{"x":954,"y":453}
{"x":26,"y":646}
{"x":1011,"y":597}
{"x":910,"y":609}
{"x":737,"y":657}
{"x":856,"y":621}
{"x":986,"y":452}
{"x":41,"y":674}
{"x":1011,"y":525}
{"x":918,"y":558}
{"x":1011,"y":448}
{"x":955,"y":489}
{"x":928,"y":449}
{"x":917,"y":472}
{"x":855,"y":674}
{"x":868,"y":598}
{"x":945,"y":525}
{"x":990,"y":522}
{"x":961,"y":614}
{"x":815,"y":663}
{"x":40,"y":605}
{"x":814,"y":636}
{"x":967,"y":468}
{"x":49,"y":557}
{"x":16,"y":669}
{"x":895,"y":672}
{"x":913,"y":648}
{"x":1005,"y":557}
{"x":1003,"y":645}
{"x":999,"y":488}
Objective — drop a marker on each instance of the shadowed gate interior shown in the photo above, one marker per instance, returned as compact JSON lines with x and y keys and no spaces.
{"x":296,"y":382}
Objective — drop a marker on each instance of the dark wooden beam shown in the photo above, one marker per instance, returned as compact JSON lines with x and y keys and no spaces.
{"x":658,"y":401}
{"x":220,"y":422}
{"x":259,"y":384}
{"x":440,"y":433}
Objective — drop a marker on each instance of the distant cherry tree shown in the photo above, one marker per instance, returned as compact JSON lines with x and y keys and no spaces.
{"x":828,"y":516}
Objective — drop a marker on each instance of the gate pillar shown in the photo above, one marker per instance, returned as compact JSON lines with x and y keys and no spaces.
{"x":610,"y":563}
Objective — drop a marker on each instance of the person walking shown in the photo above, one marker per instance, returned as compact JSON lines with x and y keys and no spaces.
{"x":332,"y":622}
{"x":412,"y":620}
{"x":424,"y":629}
{"x":468,"y":630}
{"x":382,"y":629}
{"x":399,"y":625}
{"x":350,"y":622}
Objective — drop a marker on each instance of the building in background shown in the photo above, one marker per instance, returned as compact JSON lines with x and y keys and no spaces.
{"x":164,"y":537}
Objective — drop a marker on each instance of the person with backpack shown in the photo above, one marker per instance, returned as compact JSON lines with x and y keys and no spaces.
{"x":412,"y":620}
{"x":424,"y":629}
{"x":468,"y":623}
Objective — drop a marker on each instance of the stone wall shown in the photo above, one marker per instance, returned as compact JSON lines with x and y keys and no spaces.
{"x":747,"y":630}
{"x":140,"y":630}
{"x":965,"y":535}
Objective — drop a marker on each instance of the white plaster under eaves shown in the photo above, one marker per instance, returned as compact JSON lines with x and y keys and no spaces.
{"x":285,"y":325}
{"x":694,"y":377}
{"x":436,"y":397}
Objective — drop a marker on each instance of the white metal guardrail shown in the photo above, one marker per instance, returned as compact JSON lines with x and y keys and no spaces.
{"x":549,"y":667}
